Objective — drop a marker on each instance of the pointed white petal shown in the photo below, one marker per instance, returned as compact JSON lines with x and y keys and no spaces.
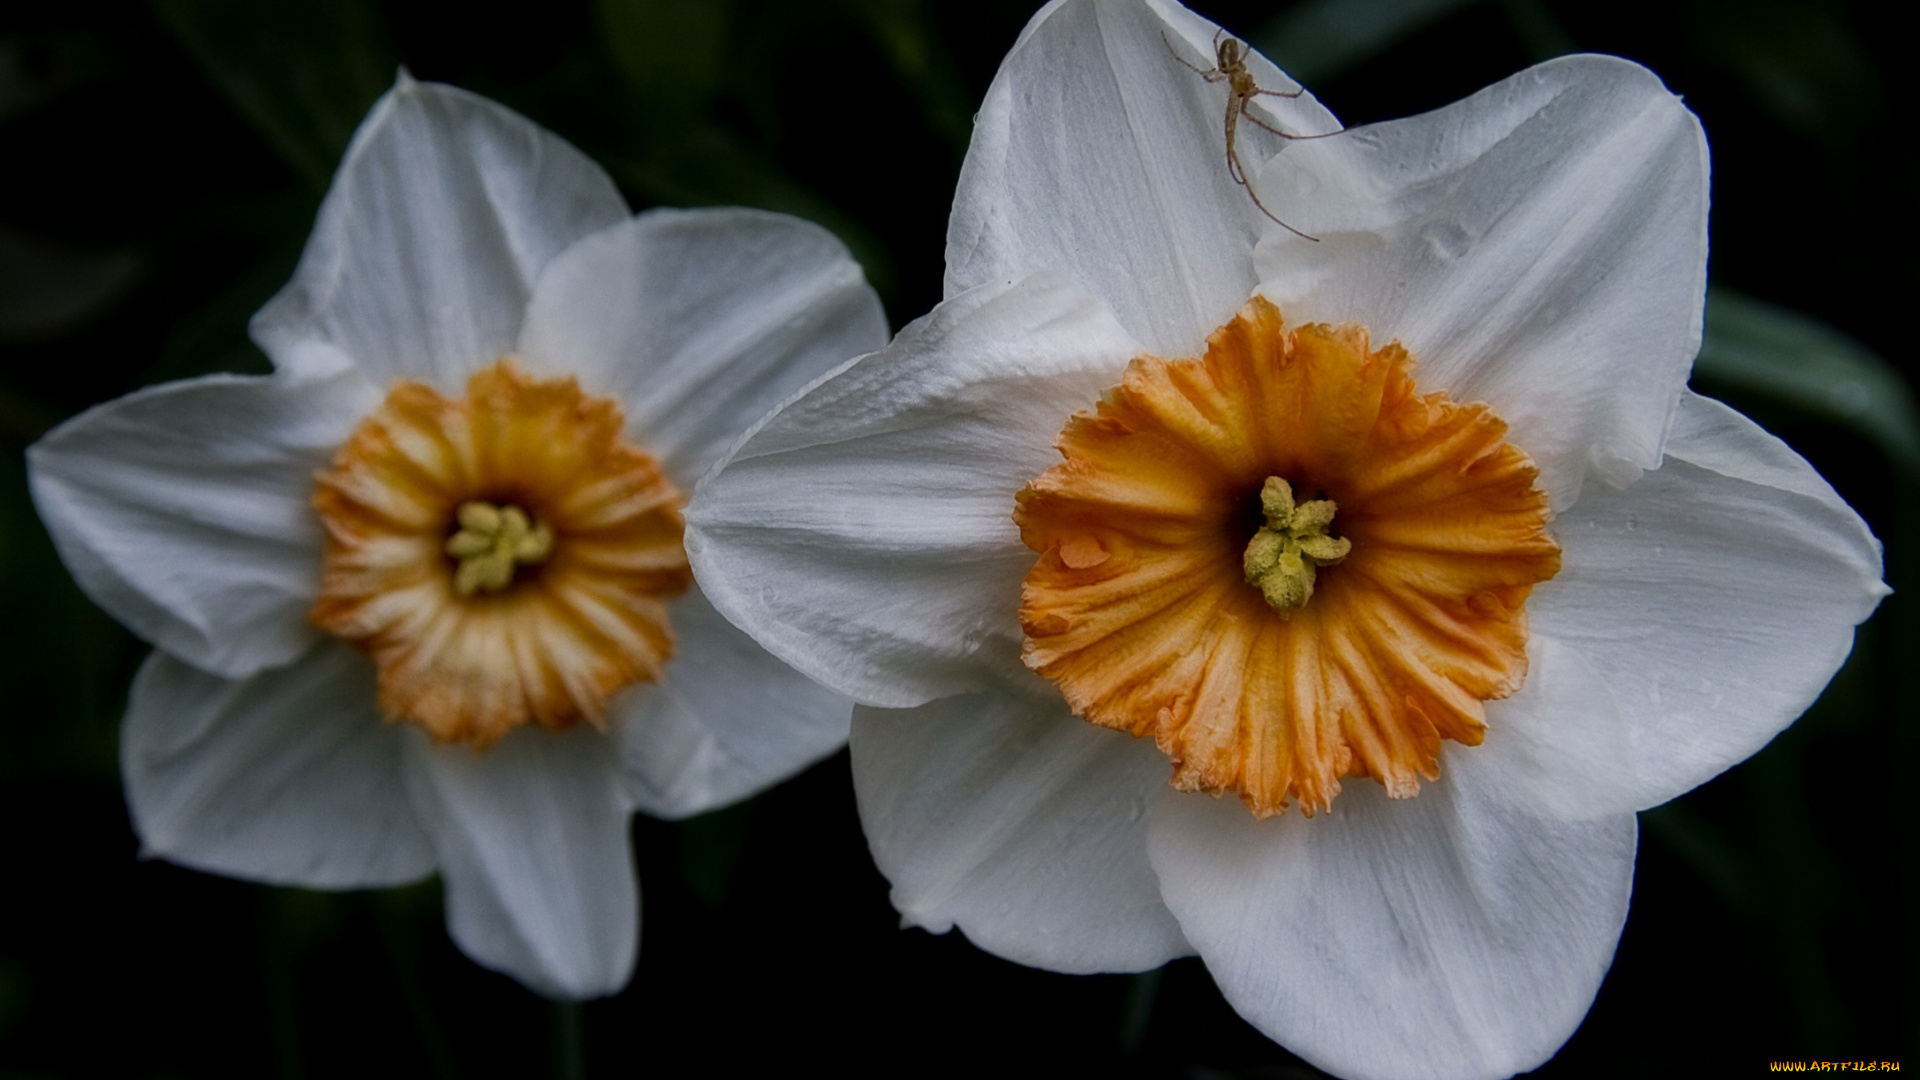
{"x":444,"y":212}
{"x":184,"y":509}
{"x":1540,"y":246}
{"x":726,"y":721}
{"x":288,"y":776}
{"x":1715,"y":596}
{"x":864,"y":533}
{"x":532,"y":840}
{"x":1450,"y":935}
{"x":700,"y":321}
{"x":1019,"y":823}
{"x":1098,"y":152}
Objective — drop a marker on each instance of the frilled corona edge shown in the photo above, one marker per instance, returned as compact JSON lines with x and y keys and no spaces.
{"x":505,"y":557}
{"x":1144,"y":605}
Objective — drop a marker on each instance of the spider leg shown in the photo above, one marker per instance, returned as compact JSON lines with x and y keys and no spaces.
{"x":1271,"y":130}
{"x":1212,"y":75}
{"x":1259,"y":123}
{"x":1255,"y":196}
{"x":1239,"y":173}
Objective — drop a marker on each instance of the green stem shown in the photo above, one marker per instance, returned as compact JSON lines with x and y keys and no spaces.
{"x":1142,"y":991}
{"x":569,"y":1042}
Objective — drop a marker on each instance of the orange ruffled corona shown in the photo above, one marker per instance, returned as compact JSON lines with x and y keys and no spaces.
{"x":1141,"y":608}
{"x":504,"y":558}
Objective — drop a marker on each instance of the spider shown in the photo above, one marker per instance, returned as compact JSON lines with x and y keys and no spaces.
{"x":1230,"y":66}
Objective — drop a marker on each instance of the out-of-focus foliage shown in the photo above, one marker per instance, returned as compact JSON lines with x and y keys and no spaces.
{"x":1761,"y":348}
{"x":162,"y":164}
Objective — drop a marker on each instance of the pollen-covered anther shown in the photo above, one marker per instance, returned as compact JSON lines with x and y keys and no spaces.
{"x":1160,"y":606}
{"x":492,"y":541}
{"x":505,"y":557}
{"x":1281,"y":558}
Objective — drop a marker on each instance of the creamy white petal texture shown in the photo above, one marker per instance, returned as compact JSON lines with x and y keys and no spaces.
{"x":532,"y":843}
{"x":701,"y":321}
{"x":1716,"y":596}
{"x":1008,"y":817}
{"x":1452,"y":934}
{"x":183,"y":509}
{"x":727,"y":720}
{"x":1559,"y":744}
{"x":1540,"y":246}
{"x":1097,"y":152}
{"x":456,"y":235}
{"x":864,"y":534}
{"x":287,"y":776}
{"x":427,"y":247}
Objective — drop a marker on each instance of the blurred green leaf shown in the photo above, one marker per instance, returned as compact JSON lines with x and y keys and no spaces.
{"x":302,"y":73}
{"x":405,"y":918}
{"x":680,"y":60}
{"x":1322,"y":38}
{"x":1538,"y":29}
{"x":904,"y":32}
{"x":212,"y":336}
{"x":1800,"y":60}
{"x":15,"y":989}
{"x":65,"y":666}
{"x":37,"y":68}
{"x":1709,"y":850}
{"x":1804,"y":885}
{"x":710,"y":848}
{"x":671,"y":53}
{"x":1757,"y":347}
{"x":48,"y":287}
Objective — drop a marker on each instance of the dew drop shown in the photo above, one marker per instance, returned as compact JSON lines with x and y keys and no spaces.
{"x":1447,"y":239}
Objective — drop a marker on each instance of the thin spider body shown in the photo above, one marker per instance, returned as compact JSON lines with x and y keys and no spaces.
{"x":1230,"y":67}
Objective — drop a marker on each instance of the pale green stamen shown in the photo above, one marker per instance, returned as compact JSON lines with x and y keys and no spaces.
{"x":492,"y":541}
{"x":1282,"y":557}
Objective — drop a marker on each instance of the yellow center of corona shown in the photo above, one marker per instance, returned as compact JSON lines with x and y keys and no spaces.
{"x":505,"y":558}
{"x":491,"y":542}
{"x":1284,"y":563}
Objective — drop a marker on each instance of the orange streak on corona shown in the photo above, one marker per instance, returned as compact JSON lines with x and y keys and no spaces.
{"x":566,"y":633}
{"x":1138,"y":608}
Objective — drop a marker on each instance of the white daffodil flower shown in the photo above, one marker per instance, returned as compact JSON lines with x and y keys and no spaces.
{"x":1401,"y":529}
{"x":419,"y":597}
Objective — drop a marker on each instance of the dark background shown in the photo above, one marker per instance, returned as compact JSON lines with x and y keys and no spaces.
{"x":160,"y":165}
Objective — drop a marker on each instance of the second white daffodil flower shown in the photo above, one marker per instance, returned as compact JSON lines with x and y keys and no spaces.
{"x":419,"y":597}
{"x":1403,"y":535}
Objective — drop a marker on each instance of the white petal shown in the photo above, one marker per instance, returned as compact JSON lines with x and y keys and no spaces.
{"x":1447,"y":935}
{"x":1024,"y":826}
{"x":726,"y":721}
{"x":288,"y":776}
{"x":864,"y":532}
{"x":1559,"y":746}
{"x":184,"y":509}
{"x":1716,"y":596}
{"x":1096,"y":151}
{"x":532,"y":840}
{"x":444,"y":212}
{"x":1540,"y":246}
{"x":700,"y":321}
